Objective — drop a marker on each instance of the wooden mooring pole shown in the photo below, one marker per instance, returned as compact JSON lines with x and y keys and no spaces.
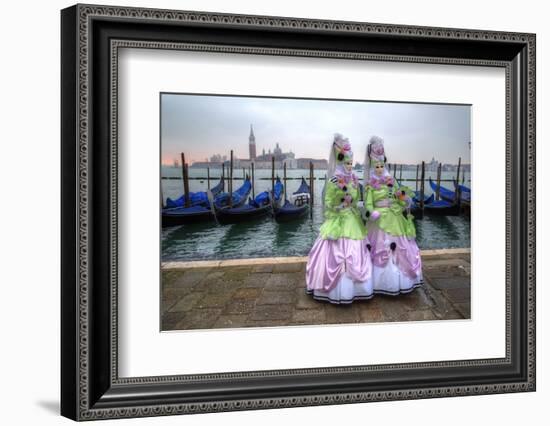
{"x":272,"y":174}
{"x":311,"y":189}
{"x":187,"y":193}
{"x":183,"y":171}
{"x":422,"y":176}
{"x":416,"y":179}
{"x":437,"y":190}
{"x":208,"y":178}
{"x":284,"y":179}
{"x":252,"y":172}
{"x":185,"y":175}
{"x":457,"y":189}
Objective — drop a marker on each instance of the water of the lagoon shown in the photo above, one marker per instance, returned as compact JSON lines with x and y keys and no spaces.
{"x":266,"y":238}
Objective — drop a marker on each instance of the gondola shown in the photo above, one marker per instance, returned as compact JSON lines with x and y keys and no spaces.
{"x":465,"y":193}
{"x":200,"y":213}
{"x":277,"y":193}
{"x":195,"y":198}
{"x":442,"y":208}
{"x":465,"y":198}
{"x":256,"y":208}
{"x":463,"y":189}
{"x":448,"y":195}
{"x":416,"y":209}
{"x":239,"y":196}
{"x":427,"y":198}
{"x":294,"y":209}
{"x":182,"y":215}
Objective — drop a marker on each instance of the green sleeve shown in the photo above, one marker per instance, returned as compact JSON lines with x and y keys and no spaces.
{"x":369,"y":200}
{"x":341,"y":222}
{"x":330,"y":196}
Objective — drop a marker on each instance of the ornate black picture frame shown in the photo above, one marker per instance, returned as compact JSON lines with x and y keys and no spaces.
{"x":91,"y":36}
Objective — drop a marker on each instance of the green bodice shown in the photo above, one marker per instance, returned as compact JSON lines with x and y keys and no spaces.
{"x":391,"y":218}
{"x":342,"y":220}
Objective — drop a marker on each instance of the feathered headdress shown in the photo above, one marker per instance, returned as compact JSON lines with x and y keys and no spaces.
{"x":340,"y":151}
{"x":375,"y":154}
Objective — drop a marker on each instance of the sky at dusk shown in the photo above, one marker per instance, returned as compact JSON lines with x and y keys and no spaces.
{"x":201,"y":126}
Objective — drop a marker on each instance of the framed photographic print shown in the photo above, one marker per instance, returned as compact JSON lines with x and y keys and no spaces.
{"x":263,"y":212}
{"x":213,"y":276}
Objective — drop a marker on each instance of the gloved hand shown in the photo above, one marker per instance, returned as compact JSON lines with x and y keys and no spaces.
{"x":360,"y":204}
{"x":374,"y":215}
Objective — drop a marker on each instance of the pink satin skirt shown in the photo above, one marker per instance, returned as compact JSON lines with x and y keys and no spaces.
{"x":339,"y":271}
{"x":394,"y":271}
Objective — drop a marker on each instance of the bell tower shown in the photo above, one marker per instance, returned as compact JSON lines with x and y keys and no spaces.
{"x":252,"y":144}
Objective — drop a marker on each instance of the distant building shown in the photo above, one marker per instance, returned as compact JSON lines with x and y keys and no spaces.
{"x":303,"y":163}
{"x":217,"y":158}
{"x":278,"y":153}
{"x":291,"y":163}
{"x":206,"y":164}
{"x":432,"y":165}
{"x":263,"y":161}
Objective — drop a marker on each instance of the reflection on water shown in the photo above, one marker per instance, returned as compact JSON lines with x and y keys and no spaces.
{"x":266,"y":238}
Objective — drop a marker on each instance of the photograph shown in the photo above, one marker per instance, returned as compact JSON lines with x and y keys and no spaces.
{"x":283,"y":211}
{"x":270,"y":208}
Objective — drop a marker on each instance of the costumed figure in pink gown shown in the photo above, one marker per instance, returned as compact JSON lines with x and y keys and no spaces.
{"x":397,"y":266}
{"x":339,"y":268}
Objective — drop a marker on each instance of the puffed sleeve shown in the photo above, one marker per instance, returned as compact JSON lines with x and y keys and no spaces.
{"x":369,"y":201}
{"x":331,"y":201}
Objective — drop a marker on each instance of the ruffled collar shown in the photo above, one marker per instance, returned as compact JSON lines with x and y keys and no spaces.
{"x":344,"y":178}
{"x":376,"y":182}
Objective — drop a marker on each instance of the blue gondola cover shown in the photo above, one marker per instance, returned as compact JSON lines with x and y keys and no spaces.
{"x":196,"y":198}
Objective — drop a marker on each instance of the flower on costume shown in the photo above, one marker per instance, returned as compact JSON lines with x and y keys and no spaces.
{"x":376,"y":182}
{"x":404,"y":194}
{"x":377,"y":149}
{"x":343,"y":180}
{"x":348,"y":199}
{"x":342,"y":148}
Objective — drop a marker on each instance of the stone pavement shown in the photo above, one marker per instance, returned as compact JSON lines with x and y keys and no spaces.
{"x":271,"y":292}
